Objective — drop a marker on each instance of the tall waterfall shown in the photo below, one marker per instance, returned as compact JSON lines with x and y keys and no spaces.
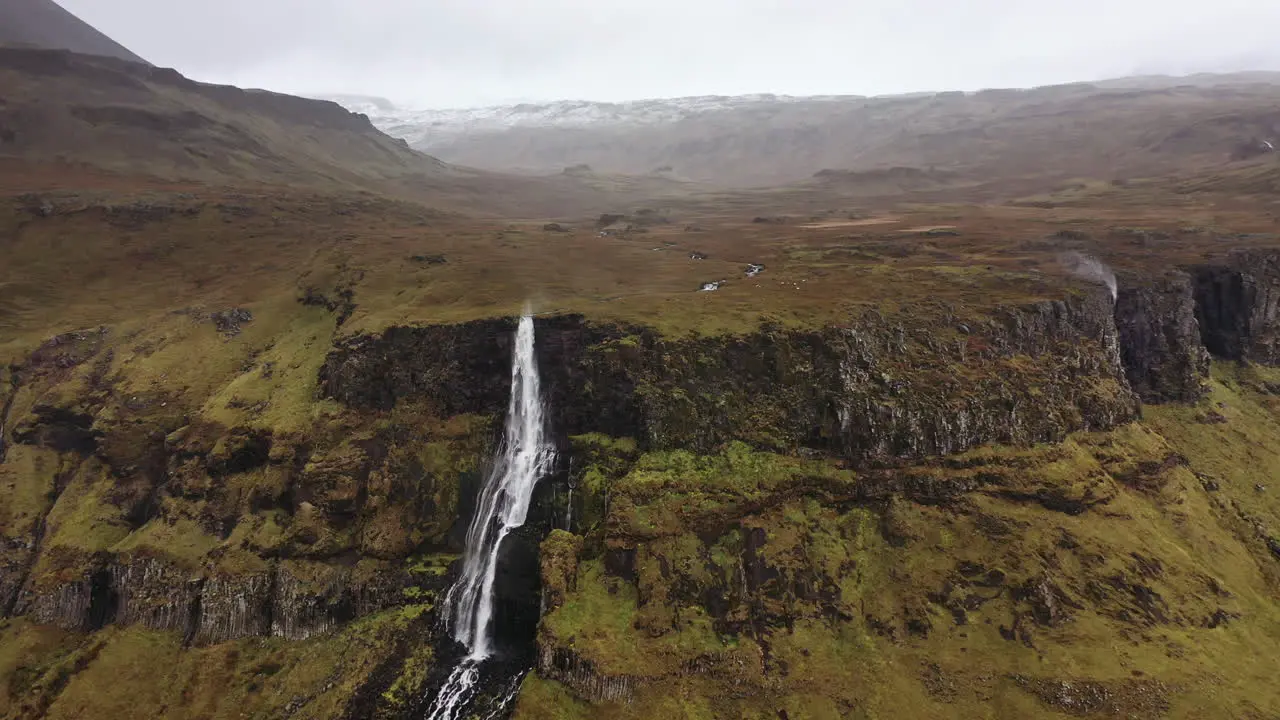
{"x":526,"y":456}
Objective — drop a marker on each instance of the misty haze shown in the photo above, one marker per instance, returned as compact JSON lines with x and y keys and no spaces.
{"x":705,"y":359}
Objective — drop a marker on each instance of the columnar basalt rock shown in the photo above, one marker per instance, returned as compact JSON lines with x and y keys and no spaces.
{"x":293,"y":600}
{"x":234,"y":607}
{"x":876,"y":389}
{"x":1160,"y":344}
{"x":154,"y":594}
{"x":1238,"y":306}
{"x":567,"y":667}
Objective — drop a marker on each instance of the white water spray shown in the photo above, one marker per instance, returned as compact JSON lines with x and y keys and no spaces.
{"x":525,"y":457}
{"x":1092,"y":268}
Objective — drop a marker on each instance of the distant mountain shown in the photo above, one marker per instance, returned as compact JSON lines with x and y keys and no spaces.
{"x":432,"y":127}
{"x":140,"y":120}
{"x":45,"y":24}
{"x":1115,"y":129}
{"x":133,"y":121}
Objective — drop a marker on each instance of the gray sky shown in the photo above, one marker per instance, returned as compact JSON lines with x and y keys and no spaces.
{"x":454,"y":53}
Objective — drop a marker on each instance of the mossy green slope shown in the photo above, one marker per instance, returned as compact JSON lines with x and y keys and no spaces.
{"x":1124,"y":574}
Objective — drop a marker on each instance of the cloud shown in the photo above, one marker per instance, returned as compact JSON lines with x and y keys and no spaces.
{"x":465,"y":52}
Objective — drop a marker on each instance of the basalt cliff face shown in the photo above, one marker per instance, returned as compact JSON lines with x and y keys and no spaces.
{"x":855,"y":392}
{"x":892,"y":514}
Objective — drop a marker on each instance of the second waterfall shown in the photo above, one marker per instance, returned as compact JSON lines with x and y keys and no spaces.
{"x":526,"y":455}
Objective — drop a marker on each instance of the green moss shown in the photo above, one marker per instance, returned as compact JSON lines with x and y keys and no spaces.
{"x":559,"y":566}
{"x":542,"y":699}
{"x":1230,"y":438}
{"x":921,"y":609}
{"x":181,"y":540}
{"x":406,"y":689}
{"x":27,"y":479}
{"x":739,"y":471}
{"x":132,"y":672}
{"x":82,"y":518}
{"x":432,"y":565}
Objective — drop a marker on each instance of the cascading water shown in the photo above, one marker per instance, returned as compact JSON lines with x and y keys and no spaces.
{"x":525,"y":457}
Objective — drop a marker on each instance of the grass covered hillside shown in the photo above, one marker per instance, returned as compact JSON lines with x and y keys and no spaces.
{"x":817,"y":457}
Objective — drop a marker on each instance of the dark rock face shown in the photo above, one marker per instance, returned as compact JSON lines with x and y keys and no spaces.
{"x":567,"y":667}
{"x":459,"y":368}
{"x":58,"y":429}
{"x":860,"y":391}
{"x":290,"y":599}
{"x":1160,"y":339}
{"x":233,"y":607}
{"x":153,"y":593}
{"x":1238,"y":307}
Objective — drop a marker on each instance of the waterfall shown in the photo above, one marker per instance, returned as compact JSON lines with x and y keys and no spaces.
{"x":526,"y":455}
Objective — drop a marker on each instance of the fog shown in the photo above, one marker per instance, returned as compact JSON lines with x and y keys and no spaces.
{"x":456,"y":53}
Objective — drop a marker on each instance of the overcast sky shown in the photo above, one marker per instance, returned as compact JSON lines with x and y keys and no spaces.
{"x":457,"y":53}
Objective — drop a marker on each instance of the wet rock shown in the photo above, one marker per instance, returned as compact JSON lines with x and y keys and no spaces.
{"x":554,"y":227}
{"x":429,"y":259}
{"x":1160,"y":339}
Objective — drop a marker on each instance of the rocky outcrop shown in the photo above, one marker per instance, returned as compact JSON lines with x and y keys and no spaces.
{"x":567,"y":667}
{"x":65,"y":605}
{"x":154,"y":594}
{"x":1160,"y":344}
{"x":460,"y":368}
{"x":293,"y":599}
{"x":1238,"y":306}
{"x":876,"y":389}
{"x":233,"y":607}
{"x":313,"y":598}
{"x":559,"y":560}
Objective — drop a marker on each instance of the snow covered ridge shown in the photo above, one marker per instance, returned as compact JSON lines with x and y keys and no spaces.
{"x":424,"y":128}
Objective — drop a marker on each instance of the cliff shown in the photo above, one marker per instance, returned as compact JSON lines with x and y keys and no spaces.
{"x":781,"y":518}
{"x":860,"y":391}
